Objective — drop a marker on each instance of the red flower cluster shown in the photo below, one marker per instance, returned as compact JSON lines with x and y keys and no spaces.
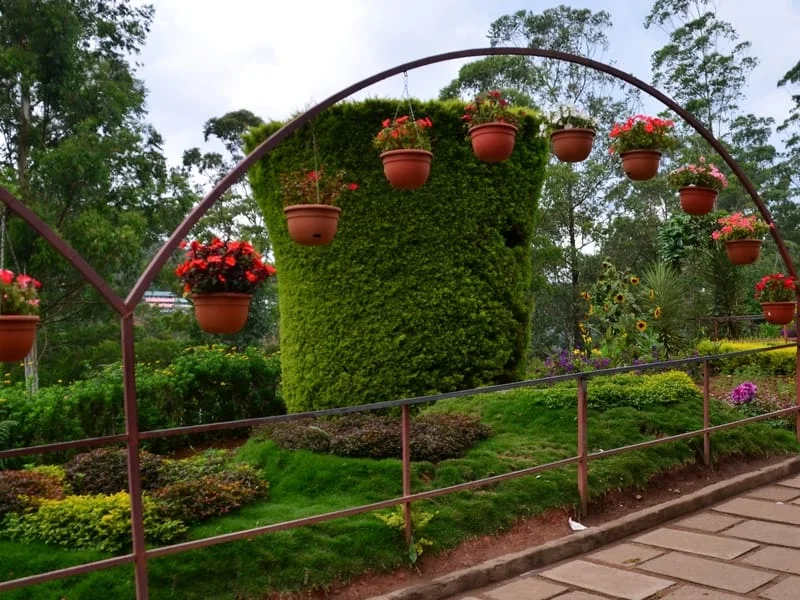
{"x":404,"y":134}
{"x":740,"y":227}
{"x":490,"y":107}
{"x":776,"y":288}
{"x":641,"y":132}
{"x":228,"y":266}
{"x":314,"y":187}
{"x":19,"y":295}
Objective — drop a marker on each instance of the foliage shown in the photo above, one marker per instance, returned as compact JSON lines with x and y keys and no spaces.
{"x":18,"y":295}
{"x":314,"y":187}
{"x":23,"y":490}
{"x":739,"y":227}
{"x":395,"y":519}
{"x":489,"y":107}
{"x":401,"y":133}
{"x":101,"y":522}
{"x":701,"y":175}
{"x":567,"y":116}
{"x":105,"y":471}
{"x":667,"y":306}
{"x":641,"y":132}
{"x":229,"y":266}
{"x":433,"y":437}
{"x":776,"y":288}
{"x":361,"y":320}
{"x":744,"y":393}
{"x":774,"y":362}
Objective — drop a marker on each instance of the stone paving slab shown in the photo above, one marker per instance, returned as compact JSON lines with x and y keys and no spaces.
{"x":580,"y":596}
{"x":709,"y":521}
{"x":690,"y":592}
{"x":780,"y":493}
{"x":618,"y":583}
{"x":761,"y":509}
{"x":792,"y":481}
{"x":526,"y":588}
{"x":788,"y":589}
{"x":778,"y":559}
{"x":696,"y":543}
{"x":626,"y":554}
{"x":723,"y":576}
{"x":776,"y":534}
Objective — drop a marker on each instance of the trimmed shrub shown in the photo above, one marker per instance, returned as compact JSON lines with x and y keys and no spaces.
{"x":23,"y":490}
{"x":776,"y":362}
{"x":434,"y":437}
{"x":97,"y":522}
{"x":197,"y":499}
{"x":105,"y":471}
{"x":420,"y":292}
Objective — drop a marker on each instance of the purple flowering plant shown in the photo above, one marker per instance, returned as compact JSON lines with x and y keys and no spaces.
{"x":744,"y":393}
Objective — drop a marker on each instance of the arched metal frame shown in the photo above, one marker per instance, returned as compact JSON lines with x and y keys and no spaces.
{"x":125,"y":308}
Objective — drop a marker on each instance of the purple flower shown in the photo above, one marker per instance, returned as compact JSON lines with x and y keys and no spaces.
{"x":744,"y":393}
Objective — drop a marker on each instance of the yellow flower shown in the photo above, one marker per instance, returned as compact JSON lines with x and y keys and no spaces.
{"x":634,"y":280}
{"x":652,"y":293}
{"x":641,"y":326}
{"x":591,"y":310}
{"x":576,"y":352}
{"x":619,"y":298}
{"x":585,"y":296}
{"x":606,"y":307}
{"x":657,"y":312}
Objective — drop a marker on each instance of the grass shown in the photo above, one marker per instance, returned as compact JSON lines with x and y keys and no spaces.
{"x":529,"y":429}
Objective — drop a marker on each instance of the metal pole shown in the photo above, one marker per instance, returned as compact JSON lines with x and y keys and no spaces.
{"x":583,"y":450}
{"x":797,"y":368}
{"x":134,"y":478}
{"x":706,"y":415}
{"x":406,"y":442}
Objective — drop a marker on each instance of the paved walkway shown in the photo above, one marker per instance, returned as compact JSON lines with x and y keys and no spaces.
{"x":745,"y":547}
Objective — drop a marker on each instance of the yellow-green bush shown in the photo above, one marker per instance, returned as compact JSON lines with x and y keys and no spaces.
{"x":99,"y":522}
{"x":776,"y":362}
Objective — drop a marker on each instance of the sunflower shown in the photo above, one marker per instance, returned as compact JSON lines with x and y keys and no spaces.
{"x":619,"y":298}
{"x":641,"y":326}
{"x":657,"y":312}
{"x":634,"y":280}
{"x":586,"y":296}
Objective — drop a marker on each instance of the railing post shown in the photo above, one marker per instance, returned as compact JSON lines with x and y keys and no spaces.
{"x":583,"y":450}
{"x":706,"y":414}
{"x":406,"y":446}
{"x":797,"y":370}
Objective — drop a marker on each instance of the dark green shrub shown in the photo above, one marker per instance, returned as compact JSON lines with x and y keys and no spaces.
{"x":105,"y":471}
{"x":196,"y":499}
{"x":99,"y":522}
{"x":21,"y":490}
{"x":434,"y":437}
{"x":421,"y":291}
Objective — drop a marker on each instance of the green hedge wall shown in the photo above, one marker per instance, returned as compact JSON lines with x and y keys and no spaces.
{"x":421,"y":291}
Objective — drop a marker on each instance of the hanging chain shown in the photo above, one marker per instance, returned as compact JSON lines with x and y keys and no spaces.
{"x":317,"y":172}
{"x":3,"y":239}
{"x":407,"y":97}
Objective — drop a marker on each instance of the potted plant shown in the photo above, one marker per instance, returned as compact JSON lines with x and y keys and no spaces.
{"x":492,"y":126}
{"x":309,"y":199}
{"x":19,"y":310}
{"x":777,"y":294}
{"x":742,"y":236}
{"x":639,"y":141}
{"x":220,"y":278}
{"x":572,"y":133}
{"x":405,"y":151}
{"x":698,"y":186}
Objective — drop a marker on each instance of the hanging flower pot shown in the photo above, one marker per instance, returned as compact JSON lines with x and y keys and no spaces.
{"x":697,"y":201}
{"x":407,"y":169}
{"x":778,"y":313}
{"x":640,"y":165}
{"x":312,"y":224}
{"x":493,"y":142}
{"x":17,"y":334}
{"x":743,"y":252}
{"x":221,"y":312}
{"x":219,"y":278}
{"x":572,"y":145}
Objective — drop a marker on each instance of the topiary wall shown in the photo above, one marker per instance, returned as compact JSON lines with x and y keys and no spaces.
{"x":421,"y":291}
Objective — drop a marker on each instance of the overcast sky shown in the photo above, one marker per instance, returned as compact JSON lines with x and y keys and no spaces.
{"x":275,"y":57}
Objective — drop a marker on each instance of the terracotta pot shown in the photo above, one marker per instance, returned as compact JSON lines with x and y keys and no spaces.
{"x":697,"y":201}
{"x":743,"y":252}
{"x":640,"y":165}
{"x":312,"y":224}
{"x":407,"y":169}
{"x":221,"y":312}
{"x":778,"y":313}
{"x":493,"y":142}
{"x":17,"y":334}
{"x":572,"y":145}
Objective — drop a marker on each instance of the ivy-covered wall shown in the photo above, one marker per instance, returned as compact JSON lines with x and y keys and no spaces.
{"x":421,"y":291}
